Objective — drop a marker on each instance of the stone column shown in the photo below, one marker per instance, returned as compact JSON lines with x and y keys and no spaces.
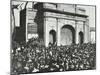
{"x":76,"y":33}
{"x":29,"y":6}
{"x":88,"y":30}
{"x":46,"y":33}
{"x":84,"y":32}
{"x":26,"y":26}
{"x":58,"y":33}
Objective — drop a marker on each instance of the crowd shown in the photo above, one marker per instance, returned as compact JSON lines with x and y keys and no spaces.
{"x":33,"y":57}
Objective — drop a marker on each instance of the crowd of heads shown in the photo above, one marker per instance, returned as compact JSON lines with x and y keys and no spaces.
{"x":33,"y":57}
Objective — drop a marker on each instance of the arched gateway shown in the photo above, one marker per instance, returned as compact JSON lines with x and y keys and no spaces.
{"x":52,"y":36}
{"x":59,"y":26}
{"x":67,"y":35}
{"x":53,"y":23}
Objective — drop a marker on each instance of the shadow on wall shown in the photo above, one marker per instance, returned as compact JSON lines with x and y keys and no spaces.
{"x":39,"y":19}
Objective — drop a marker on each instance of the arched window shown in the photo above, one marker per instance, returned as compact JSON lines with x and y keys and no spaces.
{"x":52,"y":36}
{"x":81,"y":37}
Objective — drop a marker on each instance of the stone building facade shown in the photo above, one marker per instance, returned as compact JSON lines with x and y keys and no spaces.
{"x":61,"y":24}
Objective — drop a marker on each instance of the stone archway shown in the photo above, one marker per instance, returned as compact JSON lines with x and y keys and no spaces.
{"x":81,"y":37}
{"x":52,"y":36}
{"x":67,"y":35}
